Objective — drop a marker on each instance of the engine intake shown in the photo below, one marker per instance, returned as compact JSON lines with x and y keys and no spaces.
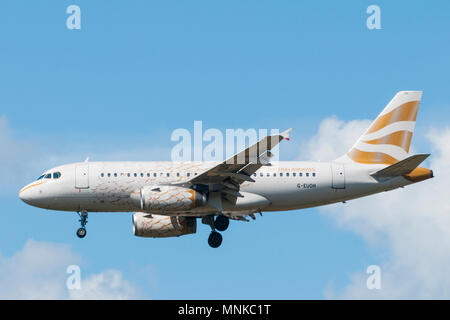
{"x":156,"y":226}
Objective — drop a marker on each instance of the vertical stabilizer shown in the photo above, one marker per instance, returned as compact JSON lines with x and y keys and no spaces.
{"x":388,"y":138}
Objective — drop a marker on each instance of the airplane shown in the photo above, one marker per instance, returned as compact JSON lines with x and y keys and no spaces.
{"x":168,"y":197}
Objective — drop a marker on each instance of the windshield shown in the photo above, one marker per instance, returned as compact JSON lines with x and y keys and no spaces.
{"x":56,"y":175}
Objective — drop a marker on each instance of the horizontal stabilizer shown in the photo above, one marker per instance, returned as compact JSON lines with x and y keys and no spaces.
{"x":402,"y":167}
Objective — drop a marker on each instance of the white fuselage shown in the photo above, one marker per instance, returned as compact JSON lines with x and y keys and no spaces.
{"x":113,"y":186}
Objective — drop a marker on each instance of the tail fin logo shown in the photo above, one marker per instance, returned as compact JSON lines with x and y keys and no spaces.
{"x":404,"y":112}
{"x":388,"y":138}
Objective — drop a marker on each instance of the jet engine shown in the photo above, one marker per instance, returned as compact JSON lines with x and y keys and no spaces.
{"x":156,"y":226}
{"x":170,"y":198}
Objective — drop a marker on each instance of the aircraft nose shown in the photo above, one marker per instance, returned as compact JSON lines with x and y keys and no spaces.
{"x":27,"y":194}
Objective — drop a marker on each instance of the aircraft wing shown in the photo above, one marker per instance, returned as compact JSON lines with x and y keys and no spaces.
{"x":227,"y":176}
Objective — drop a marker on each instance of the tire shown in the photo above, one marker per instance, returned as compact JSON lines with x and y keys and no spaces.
{"x":81,"y":233}
{"x":215,"y":239}
{"x":221,"y":223}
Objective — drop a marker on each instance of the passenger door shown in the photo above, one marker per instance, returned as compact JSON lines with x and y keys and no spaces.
{"x":338,"y":175}
{"x":82,"y":176}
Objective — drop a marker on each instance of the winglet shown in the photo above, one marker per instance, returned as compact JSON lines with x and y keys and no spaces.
{"x":285,"y":134}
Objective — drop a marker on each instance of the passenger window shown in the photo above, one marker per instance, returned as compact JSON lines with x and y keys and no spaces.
{"x":155,"y":174}
{"x":281,"y":174}
{"x":188,"y":174}
{"x":307,"y":174}
{"x":56,"y":175}
{"x":128,"y":174}
{"x":287,"y":174}
{"x":135,"y":174}
{"x":300,"y":174}
{"x":261,"y":174}
{"x":142,"y":174}
{"x":254,"y":174}
{"x":294,"y":174}
{"x":274,"y":174}
{"x":109,"y":175}
{"x":314,"y":174}
{"x":268,"y":174}
{"x":102,"y":175}
{"x":178,"y":174}
{"x":115,"y":174}
{"x":148,"y":175}
{"x":168,"y":174}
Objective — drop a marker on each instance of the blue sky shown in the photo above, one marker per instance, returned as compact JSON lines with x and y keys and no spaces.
{"x":137,"y":70}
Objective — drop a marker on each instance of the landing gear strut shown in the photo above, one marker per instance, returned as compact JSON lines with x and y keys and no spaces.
{"x":221,"y":223}
{"x":81,"y":232}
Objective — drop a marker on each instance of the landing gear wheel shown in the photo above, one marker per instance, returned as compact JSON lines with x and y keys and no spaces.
{"x":221,"y":223}
{"x":215,"y":239}
{"x":81,"y":232}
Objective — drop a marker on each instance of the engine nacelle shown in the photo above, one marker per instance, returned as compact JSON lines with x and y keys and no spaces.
{"x":170,"y":199}
{"x":156,"y":226}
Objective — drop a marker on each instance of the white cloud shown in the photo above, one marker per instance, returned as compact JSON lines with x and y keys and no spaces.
{"x":38,"y":271}
{"x":333,"y":139}
{"x":411,"y":226}
{"x":106,"y":285}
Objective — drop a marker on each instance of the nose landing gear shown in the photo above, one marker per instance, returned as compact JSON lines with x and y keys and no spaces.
{"x":81,"y":232}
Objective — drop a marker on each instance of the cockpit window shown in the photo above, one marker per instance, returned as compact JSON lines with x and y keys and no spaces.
{"x":40,"y":177}
{"x":56,"y":175}
{"x":48,"y":176}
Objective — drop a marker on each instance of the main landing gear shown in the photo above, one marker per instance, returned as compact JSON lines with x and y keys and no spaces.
{"x":221,"y":223}
{"x":214,"y":239}
{"x":81,"y":232}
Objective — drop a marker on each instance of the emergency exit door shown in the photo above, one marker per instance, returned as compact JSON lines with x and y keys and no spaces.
{"x":82,"y":176}
{"x":338,"y":175}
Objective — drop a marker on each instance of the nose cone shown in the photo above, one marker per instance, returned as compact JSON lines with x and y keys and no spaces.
{"x":31,"y":194}
{"x":26,"y":195}
{"x":37,"y":194}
